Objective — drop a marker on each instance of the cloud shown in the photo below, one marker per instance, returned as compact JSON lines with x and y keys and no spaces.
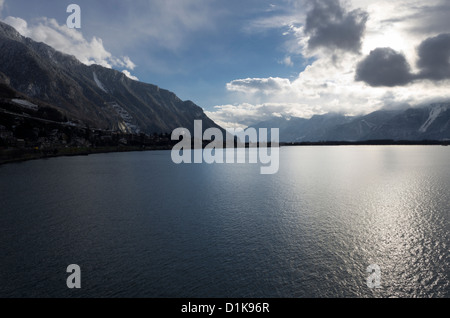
{"x":259,"y":85}
{"x":128,"y":63}
{"x":128,"y":74}
{"x":2,"y":4}
{"x":323,"y":87}
{"x":69,"y":41}
{"x":434,"y":58}
{"x":384,"y":67}
{"x":246,"y":114}
{"x":279,"y":19}
{"x":330,"y":26}
{"x":429,"y":17}
{"x":287,"y":61}
{"x":166,"y":24}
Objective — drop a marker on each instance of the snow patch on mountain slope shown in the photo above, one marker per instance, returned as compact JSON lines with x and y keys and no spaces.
{"x":26,"y":104}
{"x":128,"y":125}
{"x":99,"y":84}
{"x":436,"y":110}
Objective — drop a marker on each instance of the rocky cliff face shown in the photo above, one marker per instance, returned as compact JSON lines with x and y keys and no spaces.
{"x":91,"y":95}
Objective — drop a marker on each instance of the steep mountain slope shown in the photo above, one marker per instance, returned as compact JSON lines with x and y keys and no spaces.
{"x":92,"y":95}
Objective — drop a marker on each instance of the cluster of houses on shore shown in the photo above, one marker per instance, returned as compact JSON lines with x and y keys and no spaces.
{"x":39,"y":138}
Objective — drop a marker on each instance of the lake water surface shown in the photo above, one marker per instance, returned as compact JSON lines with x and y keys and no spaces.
{"x":140,"y":226}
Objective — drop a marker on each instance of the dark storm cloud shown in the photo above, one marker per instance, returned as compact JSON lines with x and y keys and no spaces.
{"x":329,"y":25}
{"x":384,"y":67}
{"x":434,"y":58}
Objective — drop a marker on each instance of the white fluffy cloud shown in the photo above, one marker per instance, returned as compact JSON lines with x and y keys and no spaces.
{"x":265,"y":86}
{"x":323,"y":87}
{"x":245,"y":114}
{"x":128,"y":74}
{"x":70,"y":41}
{"x":329,"y":83}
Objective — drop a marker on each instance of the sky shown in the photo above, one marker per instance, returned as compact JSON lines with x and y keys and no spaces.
{"x":246,"y":61}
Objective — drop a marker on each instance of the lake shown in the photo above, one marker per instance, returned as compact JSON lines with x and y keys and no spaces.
{"x":139,"y":225}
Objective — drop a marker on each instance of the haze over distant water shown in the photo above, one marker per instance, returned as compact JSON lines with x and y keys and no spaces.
{"x":140,"y":226}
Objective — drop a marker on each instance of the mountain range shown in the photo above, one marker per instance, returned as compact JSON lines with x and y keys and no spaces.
{"x":413,"y":124}
{"x":94,"y":96}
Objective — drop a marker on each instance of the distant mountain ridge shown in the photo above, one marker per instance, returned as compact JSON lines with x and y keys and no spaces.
{"x":414,"y":124}
{"x":92,"y":95}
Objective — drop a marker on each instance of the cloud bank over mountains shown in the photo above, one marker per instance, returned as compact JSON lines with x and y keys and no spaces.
{"x":363,"y":55}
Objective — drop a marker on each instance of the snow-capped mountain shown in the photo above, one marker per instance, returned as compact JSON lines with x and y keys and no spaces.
{"x":93,"y":95}
{"x":414,"y":124}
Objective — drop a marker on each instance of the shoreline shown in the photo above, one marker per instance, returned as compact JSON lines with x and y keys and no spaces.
{"x":18,"y":155}
{"x":30,"y":155}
